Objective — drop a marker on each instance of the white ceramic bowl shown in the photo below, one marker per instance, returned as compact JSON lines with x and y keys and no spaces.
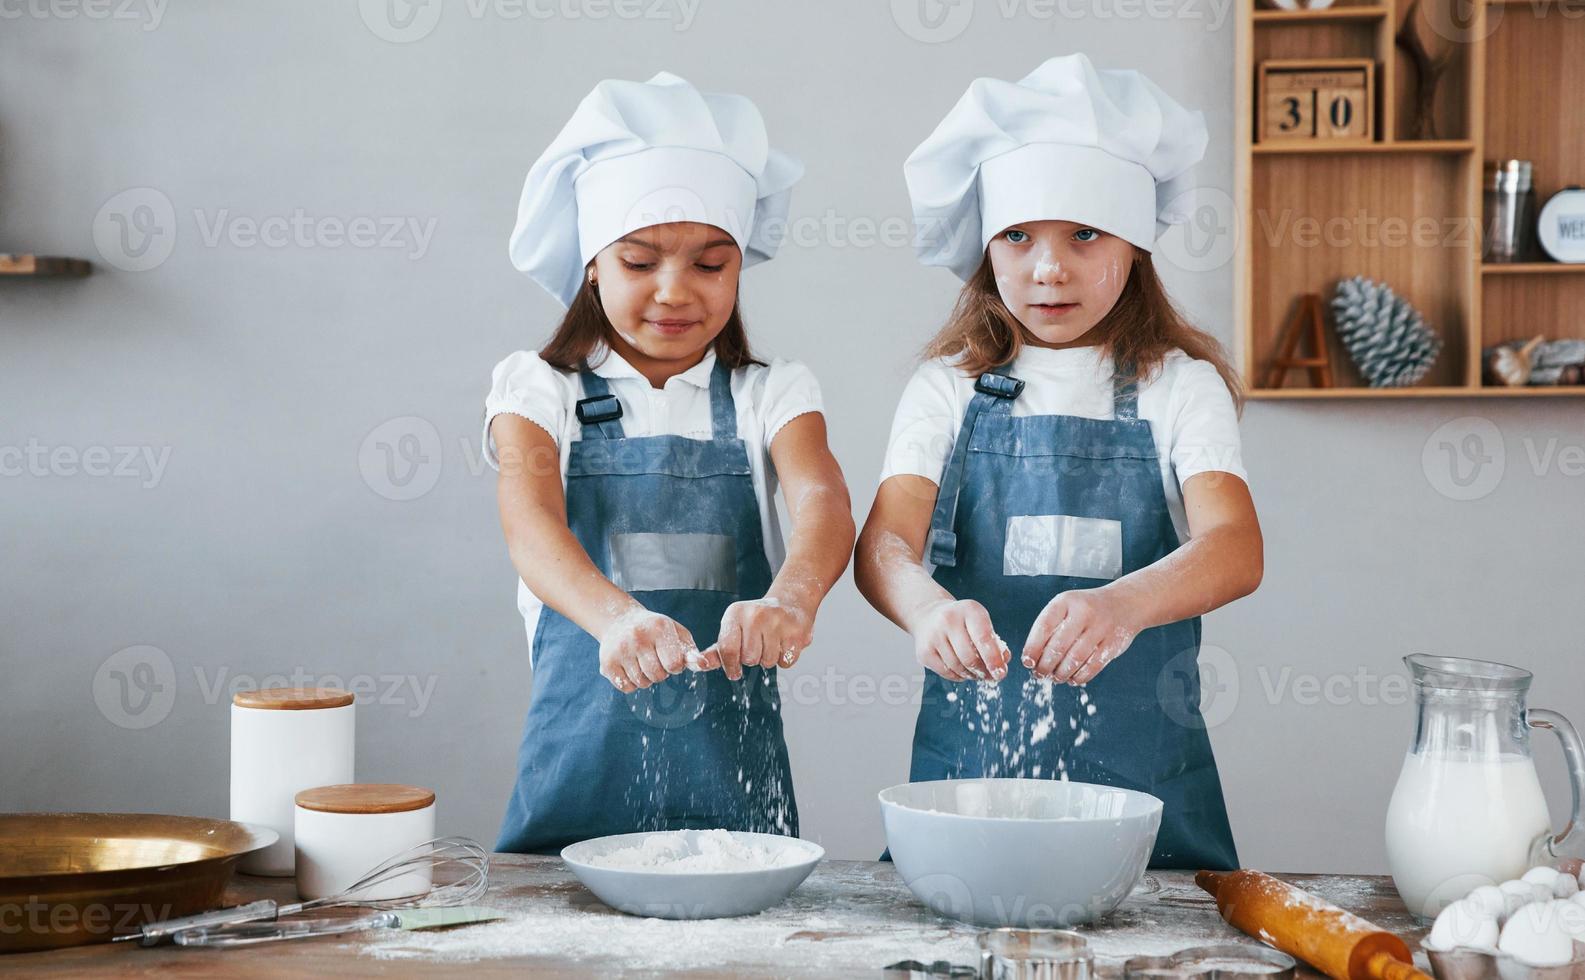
{"x":682,"y":895}
{"x":1030,"y":853}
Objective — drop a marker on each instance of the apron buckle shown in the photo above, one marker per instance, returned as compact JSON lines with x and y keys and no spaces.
{"x":600,"y":408}
{"x":999,"y":385}
{"x":942,"y":547}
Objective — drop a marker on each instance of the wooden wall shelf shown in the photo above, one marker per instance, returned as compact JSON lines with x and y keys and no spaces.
{"x":1334,"y":13}
{"x":39,"y":266}
{"x":1501,"y":96}
{"x":1376,"y":146}
{"x":1532,"y":268}
{"x":1418,"y":391}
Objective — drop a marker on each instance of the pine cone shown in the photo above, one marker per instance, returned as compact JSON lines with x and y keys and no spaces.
{"x":1387,"y":338}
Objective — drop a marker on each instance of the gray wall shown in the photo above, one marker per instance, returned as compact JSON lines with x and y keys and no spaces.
{"x":264,"y":385}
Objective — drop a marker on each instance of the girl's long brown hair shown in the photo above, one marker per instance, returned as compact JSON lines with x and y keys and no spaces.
{"x":1139,"y":330}
{"x":584,"y":327}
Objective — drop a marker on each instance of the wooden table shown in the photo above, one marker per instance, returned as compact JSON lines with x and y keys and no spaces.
{"x":850,"y":918}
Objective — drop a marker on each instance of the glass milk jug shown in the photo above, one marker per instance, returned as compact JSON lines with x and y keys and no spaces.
{"x":1468,"y":808}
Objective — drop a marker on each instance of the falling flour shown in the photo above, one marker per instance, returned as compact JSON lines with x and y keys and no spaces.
{"x":700,"y":852}
{"x":674,"y":712}
{"x":1009,"y":728}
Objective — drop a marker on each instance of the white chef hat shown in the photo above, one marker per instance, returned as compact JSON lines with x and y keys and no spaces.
{"x":1104,"y":148}
{"x":636,"y":154}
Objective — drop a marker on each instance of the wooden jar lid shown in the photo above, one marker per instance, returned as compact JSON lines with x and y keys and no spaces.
{"x":365,"y":798}
{"x":292,"y":698}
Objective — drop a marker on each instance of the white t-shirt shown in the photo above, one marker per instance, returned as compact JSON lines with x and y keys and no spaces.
{"x":767,"y":398}
{"x":1190,"y":411}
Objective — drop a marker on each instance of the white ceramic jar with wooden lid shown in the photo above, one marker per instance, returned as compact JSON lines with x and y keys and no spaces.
{"x":284,"y":740}
{"x":343,"y":832}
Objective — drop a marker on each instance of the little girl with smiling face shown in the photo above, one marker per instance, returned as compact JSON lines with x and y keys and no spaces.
{"x":1063,"y":495}
{"x":640,"y":452}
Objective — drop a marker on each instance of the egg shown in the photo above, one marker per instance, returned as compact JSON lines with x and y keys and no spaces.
{"x":1572,"y":915}
{"x":1557,"y":883}
{"x":1464,"y":923}
{"x":1489,"y":899}
{"x":1536,"y":936}
{"x":1517,"y":894}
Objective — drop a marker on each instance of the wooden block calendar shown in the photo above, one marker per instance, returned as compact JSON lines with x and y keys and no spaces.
{"x":1310,"y":99}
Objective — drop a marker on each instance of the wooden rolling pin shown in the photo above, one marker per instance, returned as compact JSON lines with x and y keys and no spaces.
{"x":1336,"y":942}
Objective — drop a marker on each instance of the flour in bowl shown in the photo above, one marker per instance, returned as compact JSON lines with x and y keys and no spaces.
{"x":699,"y":852}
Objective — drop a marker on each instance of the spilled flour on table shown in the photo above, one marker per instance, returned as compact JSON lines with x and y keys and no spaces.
{"x":829,"y":923}
{"x":700,"y":852}
{"x":844,"y":920}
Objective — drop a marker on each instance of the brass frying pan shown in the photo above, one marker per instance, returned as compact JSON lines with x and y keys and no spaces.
{"x":72,"y":878}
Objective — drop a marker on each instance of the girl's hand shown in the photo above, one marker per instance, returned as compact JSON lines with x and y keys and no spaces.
{"x":760,"y":633}
{"x":641,"y":648}
{"x":955,"y":639}
{"x":1079,"y":633}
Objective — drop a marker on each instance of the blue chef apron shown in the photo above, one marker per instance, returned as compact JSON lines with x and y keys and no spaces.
{"x":674,"y":522}
{"x":1032,"y":506}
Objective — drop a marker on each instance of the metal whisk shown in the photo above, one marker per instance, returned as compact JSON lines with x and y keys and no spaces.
{"x":459,"y":872}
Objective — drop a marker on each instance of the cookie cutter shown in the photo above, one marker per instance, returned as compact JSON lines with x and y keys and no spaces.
{"x":1060,"y":954}
{"x":1014,"y":954}
{"x":1230,"y":961}
{"x":915,"y":970}
{"x":1035,"y":954}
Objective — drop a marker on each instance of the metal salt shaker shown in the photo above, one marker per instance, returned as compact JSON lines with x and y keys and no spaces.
{"x":1510,"y":211}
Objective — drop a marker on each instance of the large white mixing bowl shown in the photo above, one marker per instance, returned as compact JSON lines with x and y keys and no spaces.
{"x":1031,"y":853}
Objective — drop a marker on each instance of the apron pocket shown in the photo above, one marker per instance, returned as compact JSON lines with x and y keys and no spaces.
{"x":1059,"y":544}
{"x":651,"y":562}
